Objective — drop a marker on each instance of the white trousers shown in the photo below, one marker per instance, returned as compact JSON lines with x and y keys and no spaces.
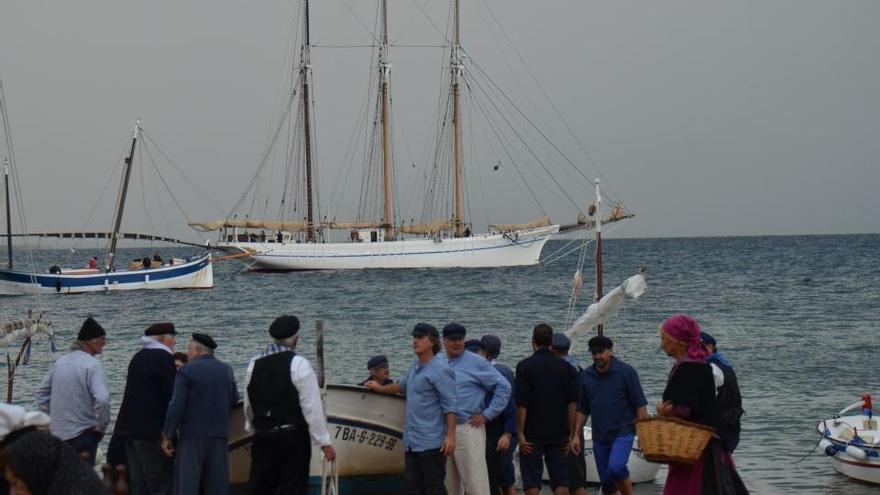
{"x":466,"y":471}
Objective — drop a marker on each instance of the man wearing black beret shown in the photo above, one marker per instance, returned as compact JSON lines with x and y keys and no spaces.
{"x":198,"y":417}
{"x":74,"y":392}
{"x":378,"y":368}
{"x":148,"y":390}
{"x":282,"y":406}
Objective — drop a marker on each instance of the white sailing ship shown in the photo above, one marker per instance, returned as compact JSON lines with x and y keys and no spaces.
{"x":378,"y":237}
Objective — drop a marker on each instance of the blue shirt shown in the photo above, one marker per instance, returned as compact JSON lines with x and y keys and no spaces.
{"x":611,"y":398}
{"x":475,"y":379}
{"x":430,"y":395}
{"x":75,"y":395}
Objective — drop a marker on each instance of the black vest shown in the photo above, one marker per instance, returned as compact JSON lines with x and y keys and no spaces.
{"x":728,"y":401}
{"x":273,"y":398}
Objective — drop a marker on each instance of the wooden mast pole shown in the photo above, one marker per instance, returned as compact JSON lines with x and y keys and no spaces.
{"x":8,"y":212}
{"x":598,"y":248}
{"x":126,"y":175}
{"x":305,"y":72}
{"x":384,"y":75}
{"x":456,"y":68}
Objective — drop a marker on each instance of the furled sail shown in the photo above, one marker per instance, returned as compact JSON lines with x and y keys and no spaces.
{"x":507,"y":227}
{"x":353,"y":225}
{"x":433,"y":227}
{"x":599,"y":312}
{"x":285,"y":225}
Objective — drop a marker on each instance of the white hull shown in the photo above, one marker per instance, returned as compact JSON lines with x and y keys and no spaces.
{"x":640,"y":470}
{"x":519,"y":248}
{"x":857,"y":459}
{"x":366,"y":429}
{"x":196,"y":274}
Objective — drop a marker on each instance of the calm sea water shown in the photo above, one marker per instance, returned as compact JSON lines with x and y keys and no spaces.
{"x":799,"y":317}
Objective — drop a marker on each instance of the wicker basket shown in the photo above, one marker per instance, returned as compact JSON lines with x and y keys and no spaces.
{"x":672,"y":440}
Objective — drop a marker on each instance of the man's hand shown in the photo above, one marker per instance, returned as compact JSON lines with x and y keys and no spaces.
{"x":329,"y":452}
{"x":664,"y":408}
{"x":448,"y":447}
{"x":98,"y":433}
{"x":167,"y":448}
{"x":372,"y":385}
{"x":575,"y":445}
{"x":477,"y":420}
{"x":503,"y":443}
{"x":524,"y":446}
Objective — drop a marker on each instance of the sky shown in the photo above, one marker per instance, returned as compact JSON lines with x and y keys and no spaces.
{"x":704,"y":118}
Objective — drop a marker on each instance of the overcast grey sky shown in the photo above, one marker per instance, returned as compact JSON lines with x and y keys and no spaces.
{"x":707,"y":118}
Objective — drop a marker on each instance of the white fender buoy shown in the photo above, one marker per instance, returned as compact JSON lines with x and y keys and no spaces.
{"x":827,"y":446}
{"x":856,"y":453}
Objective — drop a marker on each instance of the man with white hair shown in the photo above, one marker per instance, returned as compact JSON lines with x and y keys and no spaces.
{"x":198,"y":417}
{"x":282,"y":406}
{"x":148,"y":390}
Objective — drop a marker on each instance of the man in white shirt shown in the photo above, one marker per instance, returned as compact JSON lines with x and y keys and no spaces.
{"x":282,"y":406}
{"x":74,"y":392}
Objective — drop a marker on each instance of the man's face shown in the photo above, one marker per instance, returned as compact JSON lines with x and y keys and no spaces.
{"x":192,"y":351}
{"x":454,"y":346}
{"x":96,"y":346}
{"x":421,"y":344}
{"x":170,"y":341}
{"x":602,"y":359}
{"x":379,"y":374}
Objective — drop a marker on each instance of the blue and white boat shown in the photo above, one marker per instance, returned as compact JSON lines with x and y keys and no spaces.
{"x":366,"y":429}
{"x":851,"y":439}
{"x":193,"y":273}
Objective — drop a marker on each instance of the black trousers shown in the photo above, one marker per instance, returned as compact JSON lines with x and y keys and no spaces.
{"x":494,"y":461}
{"x":425,"y":473}
{"x":280,"y":462}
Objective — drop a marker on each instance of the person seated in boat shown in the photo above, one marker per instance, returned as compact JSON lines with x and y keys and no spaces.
{"x":157,"y":259}
{"x":379,"y":371}
{"x":93,"y":263}
{"x":147,"y":262}
{"x":55,"y":269}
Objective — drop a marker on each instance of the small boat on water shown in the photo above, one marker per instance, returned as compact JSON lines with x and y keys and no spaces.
{"x":367,"y":432}
{"x":851,"y":439}
{"x":193,"y":273}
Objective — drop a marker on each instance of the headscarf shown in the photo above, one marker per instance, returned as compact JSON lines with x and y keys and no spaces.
{"x":48,"y":466}
{"x":685,"y":329}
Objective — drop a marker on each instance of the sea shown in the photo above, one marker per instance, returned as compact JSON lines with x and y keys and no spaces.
{"x":799,"y":317}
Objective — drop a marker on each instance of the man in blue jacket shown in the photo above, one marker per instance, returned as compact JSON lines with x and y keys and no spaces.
{"x":198,"y":417}
{"x":148,"y":390}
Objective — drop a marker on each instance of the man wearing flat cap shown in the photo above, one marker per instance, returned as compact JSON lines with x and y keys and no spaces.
{"x":481,"y":395}
{"x":429,"y":429}
{"x":577,"y":465}
{"x":198,"y":418}
{"x":148,"y":389}
{"x":74,"y":392}
{"x":610,"y":392}
{"x":282,"y":406}
{"x":378,"y":368}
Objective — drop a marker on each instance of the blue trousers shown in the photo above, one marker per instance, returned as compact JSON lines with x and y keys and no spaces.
{"x":611,"y":458}
{"x":201,"y":461}
{"x":86,"y":442}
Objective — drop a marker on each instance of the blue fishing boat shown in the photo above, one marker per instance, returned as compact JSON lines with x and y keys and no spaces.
{"x":193,"y":273}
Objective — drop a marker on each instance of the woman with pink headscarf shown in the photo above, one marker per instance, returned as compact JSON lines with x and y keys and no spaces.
{"x":690,"y":395}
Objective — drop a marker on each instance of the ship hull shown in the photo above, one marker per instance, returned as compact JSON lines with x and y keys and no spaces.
{"x":196,"y":274}
{"x":519,"y":248}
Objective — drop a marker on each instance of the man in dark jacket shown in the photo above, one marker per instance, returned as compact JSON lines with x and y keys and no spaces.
{"x":141,"y":417}
{"x":545,"y":393}
{"x":728,"y":400}
{"x":198,"y":416}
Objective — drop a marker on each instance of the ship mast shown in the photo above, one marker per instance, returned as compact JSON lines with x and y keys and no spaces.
{"x":8,"y":212}
{"x":599,"y":328}
{"x":126,"y":175}
{"x":457,"y":68}
{"x":305,"y":71}
{"x":384,"y":76}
